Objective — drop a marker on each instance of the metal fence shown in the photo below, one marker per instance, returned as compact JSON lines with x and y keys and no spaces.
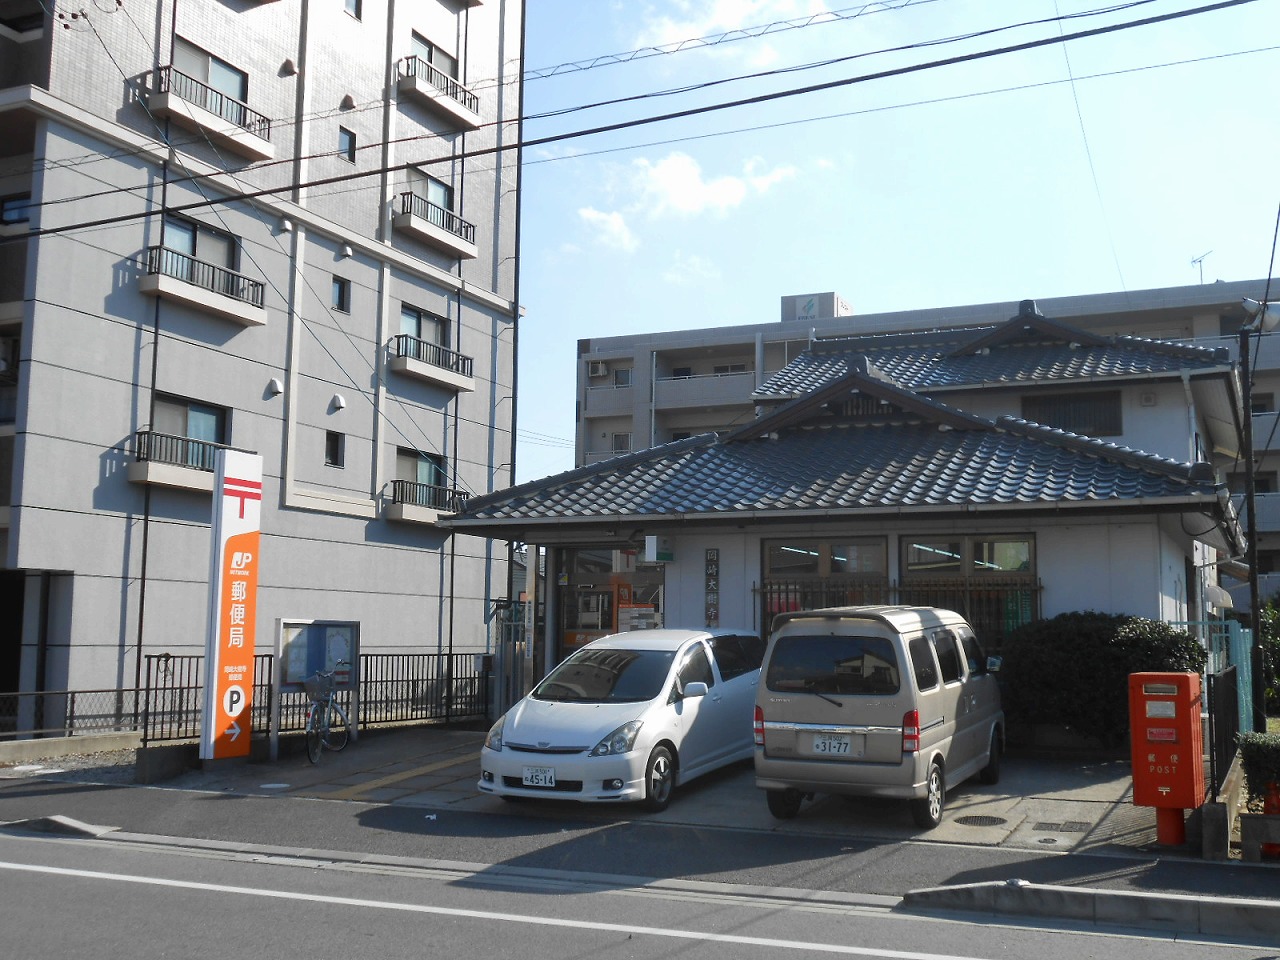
{"x":394,"y":688}
{"x":1223,"y":708}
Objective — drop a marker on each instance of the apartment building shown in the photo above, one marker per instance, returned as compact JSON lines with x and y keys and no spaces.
{"x":641,"y":390}
{"x":280,"y":227}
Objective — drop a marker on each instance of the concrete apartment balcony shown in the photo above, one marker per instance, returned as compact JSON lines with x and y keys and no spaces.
{"x":609,"y":400}
{"x":199,"y":108}
{"x":217,"y":290}
{"x":178,"y":463}
{"x":438,"y":92}
{"x":439,"y":227}
{"x":713,"y":390}
{"x":423,"y":503}
{"x":431,"y":362}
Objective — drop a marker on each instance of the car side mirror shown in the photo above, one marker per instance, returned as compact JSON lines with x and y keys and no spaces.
{"x":695,"y":688}
{"x":994,"y":663}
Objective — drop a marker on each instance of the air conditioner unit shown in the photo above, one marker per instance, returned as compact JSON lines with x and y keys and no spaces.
{"x":597,"y":368}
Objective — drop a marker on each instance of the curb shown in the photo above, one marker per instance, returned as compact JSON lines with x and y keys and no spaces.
{"x":1224,"y":917}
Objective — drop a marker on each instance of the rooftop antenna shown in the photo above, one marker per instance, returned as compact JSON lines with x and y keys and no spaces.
{"x":1199,"y":262}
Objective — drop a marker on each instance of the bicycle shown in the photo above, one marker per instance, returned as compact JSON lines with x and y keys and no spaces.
{"x":327,"y":723}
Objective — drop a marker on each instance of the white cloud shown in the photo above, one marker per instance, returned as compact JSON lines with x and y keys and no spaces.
{"x":676,"y":185}
{"x":689,"y":270}
{"x":610,"y":228}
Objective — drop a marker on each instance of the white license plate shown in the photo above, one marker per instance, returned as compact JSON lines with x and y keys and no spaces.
{"x":832,"y":744}
{"x":539,"y":776}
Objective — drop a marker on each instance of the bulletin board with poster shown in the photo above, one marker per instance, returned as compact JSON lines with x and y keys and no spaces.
{"x":308,"y":646}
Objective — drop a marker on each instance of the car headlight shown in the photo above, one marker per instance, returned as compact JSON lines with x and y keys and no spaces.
{"x":620,"y":741}
{"x":493,"y":739}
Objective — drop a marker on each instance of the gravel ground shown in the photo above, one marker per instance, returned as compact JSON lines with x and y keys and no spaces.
{"x":111,"y":766}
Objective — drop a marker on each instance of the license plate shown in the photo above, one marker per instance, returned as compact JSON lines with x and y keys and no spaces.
{"x":539,"y":776}
{"x":832,"y":744}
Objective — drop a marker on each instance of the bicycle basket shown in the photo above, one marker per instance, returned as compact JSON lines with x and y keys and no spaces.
{"x":316,"y":686}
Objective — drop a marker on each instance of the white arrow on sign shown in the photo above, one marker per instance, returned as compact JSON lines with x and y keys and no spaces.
{"x":234,"y":730}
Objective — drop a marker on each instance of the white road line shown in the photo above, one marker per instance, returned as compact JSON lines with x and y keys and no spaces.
{"x":488,"y":915}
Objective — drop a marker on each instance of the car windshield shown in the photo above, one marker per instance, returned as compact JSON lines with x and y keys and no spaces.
{"x":607,"y":676}
{"x":833,"y":664}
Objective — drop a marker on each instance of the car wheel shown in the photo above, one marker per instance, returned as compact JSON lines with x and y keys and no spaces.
{"x":927,"y":811}
{"x":991,"y":772}
{"x":659,"y":779}
{"x":784,"y":804}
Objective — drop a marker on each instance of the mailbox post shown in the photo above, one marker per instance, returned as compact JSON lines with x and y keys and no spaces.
{"x":1167,"y":749}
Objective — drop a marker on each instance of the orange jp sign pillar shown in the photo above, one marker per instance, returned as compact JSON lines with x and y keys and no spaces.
{"x":233,"y":603}
{"x":1167,"y":749}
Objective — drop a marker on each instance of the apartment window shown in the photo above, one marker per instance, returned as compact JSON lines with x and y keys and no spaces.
{"x":198,"y":242}
{"x":347,"y":144}
{"x":1262,"y":402}
{"x":188,"y":418}
{"x":342,"y":294}
{"x":1093,"y":414}
{"x":721,"y":369}
{"x":435,"y":192}
{"x":968,"y":556}
{"x":15,"y":209}
{"x":335,"y":448}
{"x":428,"y":52}
{"x":622,"y":443}
{"x":681,"y":434}
{"x":424,"y":326}
{"x":682,"y":373}
{"x":622,"y":378}
{"x":214,"y":73}
{"x":415,"y":466}
{"x":353,"y":7}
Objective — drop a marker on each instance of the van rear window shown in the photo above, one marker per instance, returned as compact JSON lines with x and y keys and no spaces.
{"x":826,"y":664}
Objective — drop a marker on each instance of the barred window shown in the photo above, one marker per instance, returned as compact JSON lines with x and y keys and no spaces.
{"x":1094,"y":414}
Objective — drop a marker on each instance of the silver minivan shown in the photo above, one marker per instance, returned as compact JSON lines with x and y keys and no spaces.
{"x":883,"y":701}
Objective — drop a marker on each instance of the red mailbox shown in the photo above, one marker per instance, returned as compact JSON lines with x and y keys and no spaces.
{"x":1167,"y":748}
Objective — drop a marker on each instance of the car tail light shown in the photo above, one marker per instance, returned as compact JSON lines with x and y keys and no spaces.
{"x":911,"y":731}
{"x":759,"y":727}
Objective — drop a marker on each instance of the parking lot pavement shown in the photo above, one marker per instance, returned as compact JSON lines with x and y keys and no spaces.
{"x":1038,"y":804}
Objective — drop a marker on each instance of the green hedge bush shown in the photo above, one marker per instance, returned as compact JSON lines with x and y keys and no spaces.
{"x":1073,"y":670}
{"x":1260,"y":759}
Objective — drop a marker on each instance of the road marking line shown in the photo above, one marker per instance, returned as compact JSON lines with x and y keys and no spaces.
{"x":836,"y":948}
{"x":354,"y":792}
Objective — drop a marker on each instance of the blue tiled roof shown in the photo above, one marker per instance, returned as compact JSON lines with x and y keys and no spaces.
{"x":942,"y":362}
{"x":851,"y":467}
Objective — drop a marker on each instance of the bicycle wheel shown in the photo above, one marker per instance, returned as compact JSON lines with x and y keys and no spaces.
{"x":313,"y":734}
{"x":337,"y":734}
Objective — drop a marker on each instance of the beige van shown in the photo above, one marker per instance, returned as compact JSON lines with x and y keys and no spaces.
{"x":875,"y":701}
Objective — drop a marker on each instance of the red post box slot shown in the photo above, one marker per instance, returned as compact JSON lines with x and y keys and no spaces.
{"x":1162,"y":736}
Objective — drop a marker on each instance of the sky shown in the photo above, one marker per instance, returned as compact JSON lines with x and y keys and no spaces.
{"x":1143,"y":157}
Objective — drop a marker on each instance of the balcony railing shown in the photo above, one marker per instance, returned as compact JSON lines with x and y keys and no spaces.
{"x":153,"y":447}
{"x":447,"y":220}
{"x":428,"y":495}
{"x":425,"y":351}
{"x":417,"y":67}
{"x":171,"y":263}
{"x":169,"y":80}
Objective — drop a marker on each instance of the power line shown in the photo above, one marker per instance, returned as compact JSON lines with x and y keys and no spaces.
{"x":665,"y":117}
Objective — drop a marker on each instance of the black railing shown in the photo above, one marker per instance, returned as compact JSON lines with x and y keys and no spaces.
{"x":180,"y":266}
{"x":994,"y":607}
{"x":1223,"y":707}
{"x":446,"y":220}
{"x":169,"y":80}
{"x":428,"y":495}
{"x":433,"y":354}
{"x":417,"y":67}
{"x":68,"y":713}
{"x":153,"y":447}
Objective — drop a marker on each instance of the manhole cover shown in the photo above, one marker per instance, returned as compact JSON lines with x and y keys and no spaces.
{"x":1075,"y":826}
{"x":1048,"y":827}
{"x":981,"y":821}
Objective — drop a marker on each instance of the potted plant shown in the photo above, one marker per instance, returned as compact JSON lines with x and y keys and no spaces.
{"x":1260,"y":760}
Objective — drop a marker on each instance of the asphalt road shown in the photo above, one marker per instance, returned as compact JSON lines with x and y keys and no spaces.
{"x":535,"y":837}
{"x":129,"y":896}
